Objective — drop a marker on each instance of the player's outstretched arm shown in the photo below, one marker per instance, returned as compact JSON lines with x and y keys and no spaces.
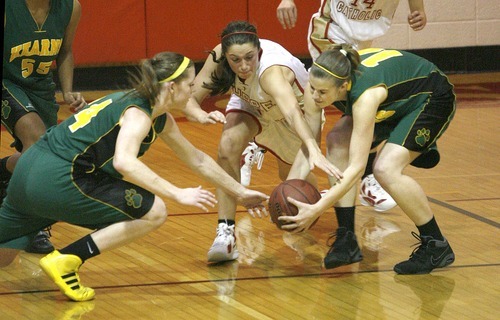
{"x":206,"y":167}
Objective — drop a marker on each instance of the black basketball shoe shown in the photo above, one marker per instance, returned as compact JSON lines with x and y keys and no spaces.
{"x":430,"y":254}
{"x":41,"y":243}
{"x":344,"y":250}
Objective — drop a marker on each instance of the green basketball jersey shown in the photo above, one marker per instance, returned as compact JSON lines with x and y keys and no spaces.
{"x":28,"y":49}
{"x":88,"y":138}
{"x":409,"y":79}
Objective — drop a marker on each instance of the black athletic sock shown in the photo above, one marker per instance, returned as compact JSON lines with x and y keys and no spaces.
{"x":431,"y":228}
{"x":85,"y":248}
{"x":4,"y":173}
{"x":369,"y":164}
{"x":226,"y":221}
{"x":345,"y":217}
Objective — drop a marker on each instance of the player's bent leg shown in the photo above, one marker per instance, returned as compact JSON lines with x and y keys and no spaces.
{"x":337,"y":142}
{"x":284,"y":170}
{"x":29,"y":128}
{"x":233,"y":140}
{"x":240,"y":128}
{"x":121,"y":233}
{"x":409,"y":195}
{"x":370,"y":192}
{"x":237,"y":142}
{"x":63,"y":268}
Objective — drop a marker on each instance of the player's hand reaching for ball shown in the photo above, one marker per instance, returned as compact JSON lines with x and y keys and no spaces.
{"x":304,"y":219}
{"x":317,"y":159}
{"x":254,"y":201}
{"x":197,"y":197}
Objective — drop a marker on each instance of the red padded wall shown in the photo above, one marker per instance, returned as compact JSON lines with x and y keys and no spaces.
{"x":110,"y":32}
{"x":262,"y":13}
{"x":189,"y":27}
{"x":116,"y":32}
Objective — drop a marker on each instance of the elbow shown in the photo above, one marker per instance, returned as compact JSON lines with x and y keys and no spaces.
{"x":198,"y":162}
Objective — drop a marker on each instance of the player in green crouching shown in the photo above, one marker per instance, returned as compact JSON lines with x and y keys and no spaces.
{"x":86,"y":171}
{"x":392,"y":96}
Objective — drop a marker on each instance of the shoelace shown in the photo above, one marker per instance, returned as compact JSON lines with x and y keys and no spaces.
{"x":224,"y":230}
{"x":259,"y":158}
{"x":418,"y":251}
{"x":255,"y":154}
{"x":333,"y":238}
{"x":48,"y":231}
{"x":373,"y":183}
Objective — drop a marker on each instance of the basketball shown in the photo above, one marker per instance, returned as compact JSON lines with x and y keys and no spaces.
{"x":297,"y":189}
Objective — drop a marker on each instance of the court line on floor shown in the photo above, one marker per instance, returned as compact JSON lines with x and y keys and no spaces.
{"x":465,"y":212}
{"x":310,"y":275}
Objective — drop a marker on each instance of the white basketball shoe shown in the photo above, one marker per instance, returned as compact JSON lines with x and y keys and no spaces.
{"x":253,"y":154}
{"x":371,"y":194}
{"x":224,"y":246}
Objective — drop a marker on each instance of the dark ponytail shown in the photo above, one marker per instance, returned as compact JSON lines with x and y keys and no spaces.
{"x":236,"y":32}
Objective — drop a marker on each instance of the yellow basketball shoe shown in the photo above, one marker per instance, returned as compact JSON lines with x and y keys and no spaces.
{"x":63,"y":270}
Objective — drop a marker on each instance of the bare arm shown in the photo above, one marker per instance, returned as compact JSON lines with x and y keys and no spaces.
{"x":364,"y":111}
{"x":65,"y":63}
{"x":417,"y":18}
{"x":276,"y":81}
{"x":135,"y":125}
{"x":287,"y":14}
{"x":313,"y":115}
{"x":206,"y":167}
{"x":193,"y":110}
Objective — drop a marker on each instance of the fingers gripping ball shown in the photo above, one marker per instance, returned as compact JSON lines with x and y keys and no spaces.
{"x":297,"y":189}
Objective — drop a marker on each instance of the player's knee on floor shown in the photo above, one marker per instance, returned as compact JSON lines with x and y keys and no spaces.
{"x":7,"y":256}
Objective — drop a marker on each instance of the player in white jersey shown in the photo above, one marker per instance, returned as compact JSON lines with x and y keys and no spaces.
{"x":249,"y":97}
{"x":356,"y":22}
{"x":267,"y":85}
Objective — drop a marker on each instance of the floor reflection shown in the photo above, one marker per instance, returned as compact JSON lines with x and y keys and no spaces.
{"x":374,"y":231}
{"x":432,"y":290}
{"x":224,"y":275}
{"x":306,"y":246}
{"x":250,"y":242}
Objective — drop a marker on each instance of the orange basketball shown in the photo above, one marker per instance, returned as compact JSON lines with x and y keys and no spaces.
{"x":297,"y":189}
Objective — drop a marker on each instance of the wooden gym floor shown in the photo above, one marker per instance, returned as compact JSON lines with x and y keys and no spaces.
{"x":165,"y":275}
